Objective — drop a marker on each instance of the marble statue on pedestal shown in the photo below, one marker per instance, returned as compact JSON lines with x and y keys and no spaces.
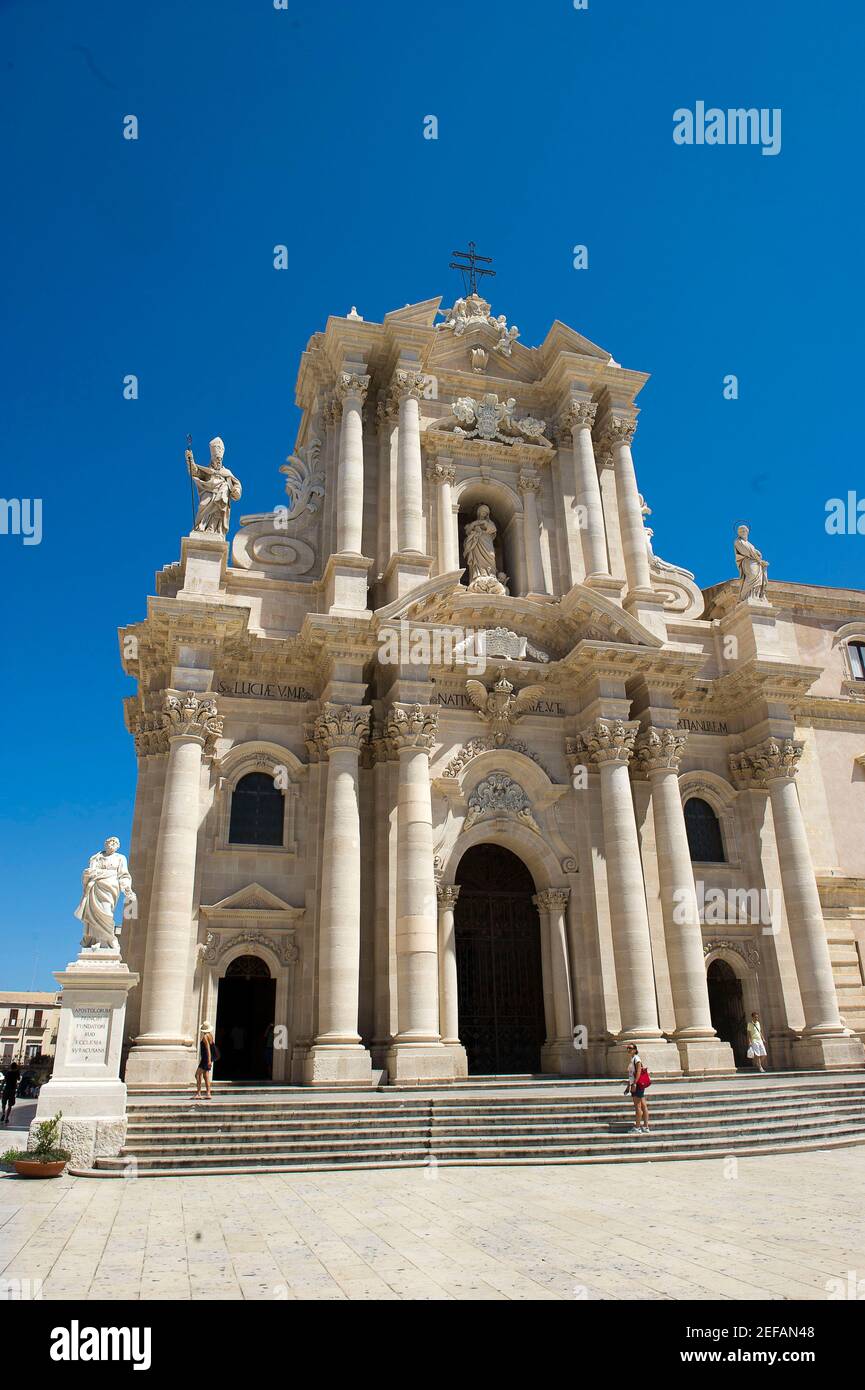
{"x":105,"y":878}
{"x":751,"y":566}
{"x":217,"y":488}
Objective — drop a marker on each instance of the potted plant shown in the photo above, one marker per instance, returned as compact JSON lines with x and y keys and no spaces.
{"x":46,"y":1159}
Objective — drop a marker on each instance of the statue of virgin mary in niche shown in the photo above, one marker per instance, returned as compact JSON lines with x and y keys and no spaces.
{"x":479,"y":553}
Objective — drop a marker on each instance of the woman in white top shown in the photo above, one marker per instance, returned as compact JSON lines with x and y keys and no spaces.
{"x":641,"y":1110}
{"x":756,"y":1045}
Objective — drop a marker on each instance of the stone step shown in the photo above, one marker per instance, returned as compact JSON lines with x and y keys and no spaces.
{"x":626,"y":1149}
{"x":529,"y":1124}
{"x":197,"y":1109}
{"x":444,"y":1137}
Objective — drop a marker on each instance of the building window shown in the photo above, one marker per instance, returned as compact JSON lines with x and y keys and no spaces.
{"x":32,"y":1050}
{"x":13,"y":1018}
{"x":704,"y":832}
{"x":257,"y":811}
{"x":857,"y":659}
{"x":37,"y":1019}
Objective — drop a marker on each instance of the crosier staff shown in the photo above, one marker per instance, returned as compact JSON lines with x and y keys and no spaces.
{"x":190,"y":461}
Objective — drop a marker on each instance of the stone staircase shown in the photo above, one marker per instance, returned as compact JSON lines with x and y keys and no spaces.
{"x":265,"y":1129}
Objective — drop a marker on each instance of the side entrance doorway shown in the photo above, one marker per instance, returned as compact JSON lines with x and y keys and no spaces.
{"x":245,"y":1015}
{"x":500,"y":989}
{"x":727,"y":1008}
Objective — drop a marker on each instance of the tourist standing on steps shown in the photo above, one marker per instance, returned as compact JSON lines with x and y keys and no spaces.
{"x":11,"y":1077}
{"x":638,"y":1080}
{"x":205,"y":1062}
{"x":756,"y":1044}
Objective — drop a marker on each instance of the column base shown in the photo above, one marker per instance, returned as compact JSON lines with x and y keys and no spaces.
{"x":700,"y":1055}
{"x":345,"y":583}
{"x":658,"y":1055}
{"x":406,"y":570}
{"x":169,"y":1064}
{"x":648,"y":608}
{"x":818,"y":1053}
{"x":605,"y":584}
{"x":561,"y":1059}
{"x":417,"y":1064}
{"x":339,"y":1065}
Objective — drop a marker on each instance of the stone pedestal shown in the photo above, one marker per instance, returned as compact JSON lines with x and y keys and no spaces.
{"x":86,"y":1084}
{"x":345,"y":584}
{"x":405,"y":572}
{"x":203,"y":560}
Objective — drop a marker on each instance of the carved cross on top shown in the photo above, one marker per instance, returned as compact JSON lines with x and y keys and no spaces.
{"x":469,"y":265}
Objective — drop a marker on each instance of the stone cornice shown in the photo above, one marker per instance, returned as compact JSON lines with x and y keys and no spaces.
{"x":445,"y":442}
{"x":769,"y":681}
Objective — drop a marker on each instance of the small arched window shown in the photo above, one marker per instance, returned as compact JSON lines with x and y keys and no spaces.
{"x":857,"y":659}
{"x":257,"y":811}
{"x":704,"y":832}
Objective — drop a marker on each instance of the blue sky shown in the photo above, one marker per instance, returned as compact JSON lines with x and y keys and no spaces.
{"x":304,"y":127}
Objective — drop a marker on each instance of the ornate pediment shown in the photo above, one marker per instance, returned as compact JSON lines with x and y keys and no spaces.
{"x":256,"y":902}
{"x":488,"y":419}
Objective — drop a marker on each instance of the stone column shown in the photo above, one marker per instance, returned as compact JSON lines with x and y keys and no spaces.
{"x":529,"y":483}
{"x":617,"y":437}
{"x":552,"y":904}
{"x":658,"y":753}
{"x":448,"y":1011}
{"x":417,"y":1053}
{"x":607,"y":744}
{"x":580,"y":418}
{"x":443,"y":473}
{"x":407,"y":390}
{"x":163,"y":1051}
{"x":825,"y":1042}
{"x":352,"y":390}
{"x":336,"y":1055}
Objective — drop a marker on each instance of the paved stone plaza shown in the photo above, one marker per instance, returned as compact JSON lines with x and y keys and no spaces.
{"x":780,"y":1228}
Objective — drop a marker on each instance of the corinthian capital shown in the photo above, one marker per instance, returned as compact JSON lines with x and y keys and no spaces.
{"x":529,"y":481}
{"x":407,"y":384}
{"x":442,"y":471}
{"x":769,"y":761}
{"x":607,"y":741}
{"x":188,"y":716}
{"x":552,"y":899}
{"x":618,"y":429}
{"x":578,"y":414}
{"x":412,"y":727}
{"x":447,"y":894}
{"x":351,"y":384}
{"x":341,"y":726}
{"x":659,"y":749}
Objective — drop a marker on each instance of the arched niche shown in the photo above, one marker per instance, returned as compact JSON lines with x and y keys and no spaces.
{"x":506,"y":509}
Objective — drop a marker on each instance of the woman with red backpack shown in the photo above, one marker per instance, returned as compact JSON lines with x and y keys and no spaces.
{"x":638,"y":1083}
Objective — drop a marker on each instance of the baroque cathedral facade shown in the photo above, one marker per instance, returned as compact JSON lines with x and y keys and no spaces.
{"x":442,"y":772}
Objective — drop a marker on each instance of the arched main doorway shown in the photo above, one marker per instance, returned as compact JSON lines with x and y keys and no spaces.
{"x":500,"y":989}
{"x":244,"y":1021}
{"x":727,"y":1008}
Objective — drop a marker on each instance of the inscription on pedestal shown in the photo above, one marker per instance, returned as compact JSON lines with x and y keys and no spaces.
{"x":89,"y":1042}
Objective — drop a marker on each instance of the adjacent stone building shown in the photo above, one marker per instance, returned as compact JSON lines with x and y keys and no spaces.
{"x":442,"y":770}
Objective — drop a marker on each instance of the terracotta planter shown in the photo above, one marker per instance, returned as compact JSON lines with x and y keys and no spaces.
{"x":31,"y":1168}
